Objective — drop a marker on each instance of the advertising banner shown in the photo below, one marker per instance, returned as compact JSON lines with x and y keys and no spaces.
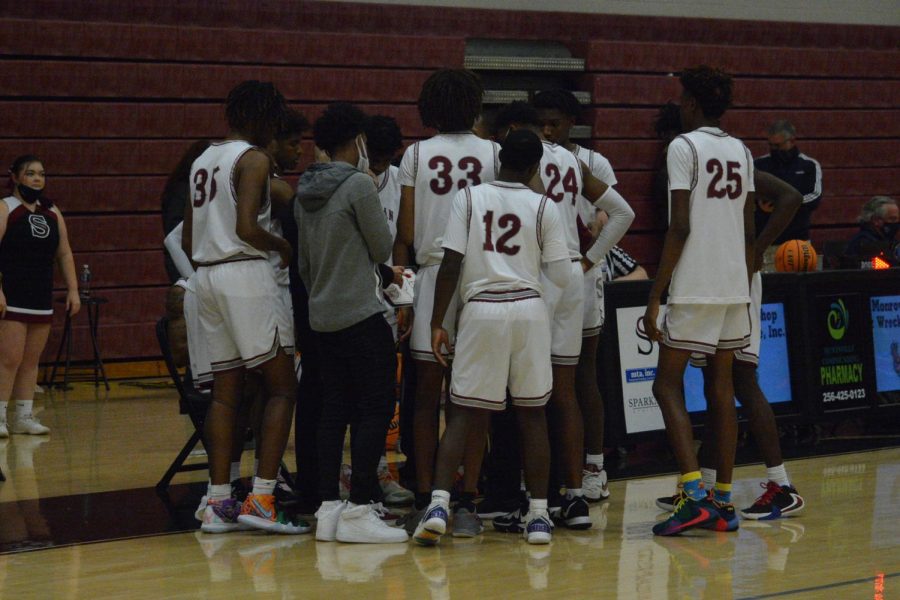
{"x":638,"y":356}
{"x":886,"y":341}
{"x":841,"y":372}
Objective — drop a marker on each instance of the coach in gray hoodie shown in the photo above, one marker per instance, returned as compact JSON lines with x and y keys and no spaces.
{"x":342,"y":237}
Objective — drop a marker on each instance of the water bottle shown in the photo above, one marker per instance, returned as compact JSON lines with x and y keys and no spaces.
{"x":85,"y":280}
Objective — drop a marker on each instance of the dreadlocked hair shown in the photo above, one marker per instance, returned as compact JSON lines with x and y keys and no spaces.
{"x":516,"y":113}
{"x":562,"y":100}
{"x":450,"y":100}
{"x":668,"y":119}
{"x":383,"y":137}
{"x":256,"y":108}
{"x":710,"y":87}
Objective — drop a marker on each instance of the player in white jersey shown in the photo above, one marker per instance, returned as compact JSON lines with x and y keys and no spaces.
{"x":226,"y":234}
{"x":565,"y":179}
{"x":497,"y":238}
{"x":558,"y":110}
{"x":431,"y":173}
{"x":707,"y":257}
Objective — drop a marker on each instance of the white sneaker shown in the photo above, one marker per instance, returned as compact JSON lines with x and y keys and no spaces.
{"x":327,"y":520}
{"x":27,"y":424}
{"x":361,"y":524}
{"x":538,"y":528}
{"x":4,"y":430}
{"x":432,"y":525}
{"x":394,"y":493}
{"x":360,"y":564}
{"x":198,"y":514}
{"x":594,"y":483}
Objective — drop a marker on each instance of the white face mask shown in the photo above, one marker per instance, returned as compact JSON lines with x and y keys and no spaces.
{"x":363,"y":164}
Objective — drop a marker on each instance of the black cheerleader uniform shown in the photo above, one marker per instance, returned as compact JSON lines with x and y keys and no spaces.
{"x":27,"y":253}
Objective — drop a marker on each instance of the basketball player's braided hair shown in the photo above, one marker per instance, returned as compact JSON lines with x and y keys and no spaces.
{"x":710,"y":87}
{"x":257,"y":108}
{"x":562,"y":100}
{"x":450,"y":100}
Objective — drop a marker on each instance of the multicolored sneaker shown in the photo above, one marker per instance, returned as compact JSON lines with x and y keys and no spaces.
{"x":777,"y":501}
{"x":432,"y":526}
{"x":259,"y":511}
{"x":688,"y":515}
{"x":594,"y":483}
{"x":221,"y":516}
{"x":726,"y":520}
{"x":668,"y":503}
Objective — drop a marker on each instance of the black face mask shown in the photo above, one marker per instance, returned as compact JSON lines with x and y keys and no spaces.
{"x":786,"y":156}
{"x":889,"y":230}
{"x":29,"y":194}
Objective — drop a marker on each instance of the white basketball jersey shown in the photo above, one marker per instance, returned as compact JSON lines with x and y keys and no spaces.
{"x":505,"y":230}
{"x":438,"y":168}
{"x":214,"y":198}
{"x":600,"y":168}
{"x":561,"y":174}
{"x":718,"y":171}
{"x":388,"y":184}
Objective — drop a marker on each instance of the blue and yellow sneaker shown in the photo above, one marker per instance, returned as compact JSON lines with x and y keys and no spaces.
{"x":432,"y":526}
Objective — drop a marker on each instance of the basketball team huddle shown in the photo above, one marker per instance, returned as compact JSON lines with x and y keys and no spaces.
{"x":511,"y":237}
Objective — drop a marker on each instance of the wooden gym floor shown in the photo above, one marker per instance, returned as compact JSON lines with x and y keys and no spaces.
{"x":79,"y":518}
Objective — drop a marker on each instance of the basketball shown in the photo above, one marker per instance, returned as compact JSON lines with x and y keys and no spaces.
{"x":795,"y":255}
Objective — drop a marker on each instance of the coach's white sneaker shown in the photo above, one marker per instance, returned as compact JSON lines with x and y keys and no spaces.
{"x":27,"y":424}
{"x":594,"y":483}
{"x":359,"y":523}
{"x":327,"y":520}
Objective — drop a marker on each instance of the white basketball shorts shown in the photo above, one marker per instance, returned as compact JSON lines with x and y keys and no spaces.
{"x":706,"y":328}
{"x":593,"y":302}
{"x":565,"y":307}
{"x":750,"y":354}
{"x":420,"y":340}
{"x":244,"y":319}
{"x":503,"y":343}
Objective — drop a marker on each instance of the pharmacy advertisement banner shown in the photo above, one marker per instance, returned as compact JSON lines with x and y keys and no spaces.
{"x":841,"y":370}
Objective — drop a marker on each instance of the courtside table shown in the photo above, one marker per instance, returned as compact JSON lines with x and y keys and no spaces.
{"x":91,"y":305}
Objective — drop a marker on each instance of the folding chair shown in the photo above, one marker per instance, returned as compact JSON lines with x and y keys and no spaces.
{"x":194,"y":404}
{"x":191,"y":403}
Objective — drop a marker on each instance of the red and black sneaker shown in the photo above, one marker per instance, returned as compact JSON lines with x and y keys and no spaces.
{"x":777,"y":501}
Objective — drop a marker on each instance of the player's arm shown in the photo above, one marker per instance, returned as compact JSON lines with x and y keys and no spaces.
{"x":406,"y":214}
{"x":282,"y":195}
{"x":620,"y":214}
{"x":445,"y":287}
{"x":251,"y":176}
{"x":673,"y":246}
{"x":172,"y":242}
{"x":555,"y":262}
{"x":785,"y":199}
{"x":66,"y":263}
{"x":639,"y":274}
{"x":624,"y":267}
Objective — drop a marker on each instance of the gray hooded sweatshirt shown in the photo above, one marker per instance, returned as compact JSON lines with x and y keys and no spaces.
{"x":342,"y":234}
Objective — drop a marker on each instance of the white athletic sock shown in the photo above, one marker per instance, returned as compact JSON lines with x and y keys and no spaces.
{"x":263,"y":486}
{"x":595,"y":459}
{"x":218,"y":492}
{"x":709,"y":478}
{"x":778,"y":475}
{"x":235,"y":471}
{"x":537,"y":505}
{"x":23,"y":407}
{"x":522,"y":486}
{"x":3,"y":406}
{"x":442,"y":497}
{"x":573,"y":493}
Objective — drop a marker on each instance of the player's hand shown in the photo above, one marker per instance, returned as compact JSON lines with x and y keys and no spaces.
{"x":586,"y":265}
{"x":405,"y":317}
{"x":73,"y":302}
{"x":398,"y":274}
{"x":649,"y":321}
{"x":2,"y":304}
{"x":440,"y":339}
{"x":285,"y":251}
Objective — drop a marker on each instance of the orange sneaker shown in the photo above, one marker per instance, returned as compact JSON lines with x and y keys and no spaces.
{"x":260,"y":512}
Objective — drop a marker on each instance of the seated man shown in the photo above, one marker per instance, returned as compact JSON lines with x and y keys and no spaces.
{"x":879,"y":221}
